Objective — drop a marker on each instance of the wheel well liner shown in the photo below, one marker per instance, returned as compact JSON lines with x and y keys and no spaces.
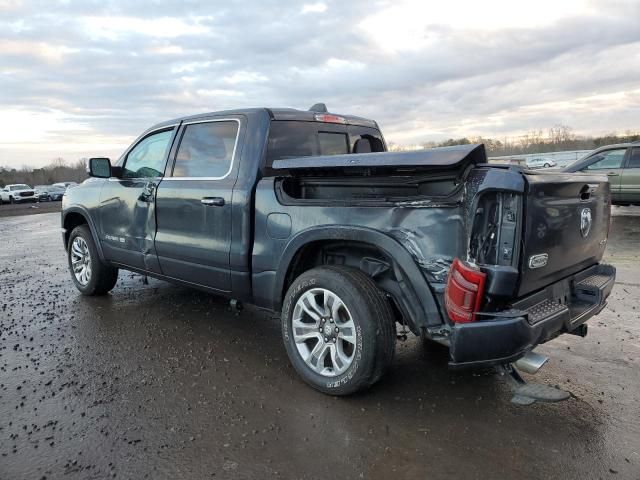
{"x":75,"y":217}
{"x":407,"y":286}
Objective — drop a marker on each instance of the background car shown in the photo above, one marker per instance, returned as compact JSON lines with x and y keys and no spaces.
{"x":64,"y":184}
{"x":621,"y":163}
{"x":540,"y":163}
{"x":18,"y":193}
{"x":49,"y":193}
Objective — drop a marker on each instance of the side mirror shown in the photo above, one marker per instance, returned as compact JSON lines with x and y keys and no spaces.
{"x":99,"y":167}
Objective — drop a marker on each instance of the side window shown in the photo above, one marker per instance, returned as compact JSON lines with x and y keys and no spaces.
{"x":147,"y":158}
{"x":608,"y":160}
{"x":206,"y":149}
{"x":634,"y":160}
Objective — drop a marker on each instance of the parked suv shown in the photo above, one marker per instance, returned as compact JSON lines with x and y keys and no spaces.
{"x":621,"y":163}
{"x":307,"y":214}
{"x":18,"y":193}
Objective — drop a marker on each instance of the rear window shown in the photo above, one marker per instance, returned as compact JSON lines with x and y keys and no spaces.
{"x":293,"y":139}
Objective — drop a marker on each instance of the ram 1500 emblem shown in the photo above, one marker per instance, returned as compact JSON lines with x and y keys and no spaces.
{"x":585,"y":222}
{"x":538,"y":261}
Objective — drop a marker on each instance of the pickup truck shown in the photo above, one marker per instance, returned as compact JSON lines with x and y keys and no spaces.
{"x":17,"y":193}
{"x":305,"y":213}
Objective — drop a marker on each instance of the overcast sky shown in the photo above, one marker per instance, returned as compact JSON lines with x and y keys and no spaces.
{"x":83,"y":78}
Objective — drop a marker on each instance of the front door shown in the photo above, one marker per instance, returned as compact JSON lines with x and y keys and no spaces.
{"x":193,"y":204}
{"x":127,"y":203}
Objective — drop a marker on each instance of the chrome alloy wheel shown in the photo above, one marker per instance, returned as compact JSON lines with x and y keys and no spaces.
{"x":324,"y":332}
{"x":81,"y":260}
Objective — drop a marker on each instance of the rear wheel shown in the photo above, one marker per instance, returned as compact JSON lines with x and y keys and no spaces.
{"x":90,"y":275}
{"x":338,"y":329}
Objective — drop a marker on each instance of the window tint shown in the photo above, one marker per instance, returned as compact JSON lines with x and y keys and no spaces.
{"x":608,"y":160}
{"x":147,"y":159}
{"x":634,"y":161}
{"x":206,"y":149}
{"x":292,"y":139}
{"x":333,"y":143}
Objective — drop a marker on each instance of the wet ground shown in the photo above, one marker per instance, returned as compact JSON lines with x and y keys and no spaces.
{"x":16,"y":209}
{"x":158,"y":381}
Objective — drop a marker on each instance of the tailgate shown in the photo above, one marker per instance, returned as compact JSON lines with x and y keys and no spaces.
{"x":566,"y":223}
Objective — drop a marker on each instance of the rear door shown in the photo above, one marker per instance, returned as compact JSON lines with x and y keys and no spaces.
{"x":630,"y":178}
{"x":193,"y":203}
{"x":610,"y":163}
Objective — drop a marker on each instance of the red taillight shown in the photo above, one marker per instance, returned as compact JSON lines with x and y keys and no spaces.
{"x":325,"y":117}
{"x":463,"y":295}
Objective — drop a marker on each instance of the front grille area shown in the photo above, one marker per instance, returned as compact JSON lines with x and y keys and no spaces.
{"x":27,"y":193}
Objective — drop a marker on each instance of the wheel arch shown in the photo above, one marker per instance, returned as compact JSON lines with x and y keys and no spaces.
{"x":403,"y":281}
{"x":74,"y":217}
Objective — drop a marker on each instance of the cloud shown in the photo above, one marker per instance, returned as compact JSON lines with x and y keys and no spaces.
{"x":105,"y":71}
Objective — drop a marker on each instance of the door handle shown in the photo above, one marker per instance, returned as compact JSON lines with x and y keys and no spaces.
{"x":147,"y":192}
{"x":612,"y":174}
{"x":212,"y":201}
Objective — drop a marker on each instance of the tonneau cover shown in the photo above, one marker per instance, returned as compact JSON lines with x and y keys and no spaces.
{"x":435,"y":157}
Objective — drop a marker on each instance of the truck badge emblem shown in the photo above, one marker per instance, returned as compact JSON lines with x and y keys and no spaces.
{"x":538,"y":261}
{"x":585,"y":222}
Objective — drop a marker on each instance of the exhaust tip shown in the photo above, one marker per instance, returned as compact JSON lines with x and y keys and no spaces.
{"x":531,"y":362}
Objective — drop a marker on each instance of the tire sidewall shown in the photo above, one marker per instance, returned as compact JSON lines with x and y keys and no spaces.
{"x":84,"y":232}
{"x":364,"y":356}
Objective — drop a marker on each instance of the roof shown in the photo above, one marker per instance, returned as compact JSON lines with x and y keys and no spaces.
{"x":435,"y":157}
{"x":274,"y":114}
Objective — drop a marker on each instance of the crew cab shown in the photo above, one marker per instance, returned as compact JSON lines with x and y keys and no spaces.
{"x":305,"y":213}
{"x":18,"y":193}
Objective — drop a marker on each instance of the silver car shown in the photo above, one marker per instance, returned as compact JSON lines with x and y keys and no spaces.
{"x":540,"y":163}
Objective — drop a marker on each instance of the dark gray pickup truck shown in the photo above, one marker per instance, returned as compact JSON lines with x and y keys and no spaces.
{"x":305,"y":213}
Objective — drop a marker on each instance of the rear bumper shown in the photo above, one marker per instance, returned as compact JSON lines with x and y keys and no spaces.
{"x":559,"y":308}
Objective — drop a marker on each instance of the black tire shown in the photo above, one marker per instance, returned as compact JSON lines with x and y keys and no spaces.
{"x":374,"y":325}
{"x":547,"y":165}
{"x":11,"y":200}
{"x":103,"y":277}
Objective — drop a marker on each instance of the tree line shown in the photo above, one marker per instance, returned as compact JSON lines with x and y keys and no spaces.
{"x":558,"y":138}
{"x":57,"y":171}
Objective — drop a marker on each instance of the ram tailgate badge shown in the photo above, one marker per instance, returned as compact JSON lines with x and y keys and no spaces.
{"x":538,"y":261}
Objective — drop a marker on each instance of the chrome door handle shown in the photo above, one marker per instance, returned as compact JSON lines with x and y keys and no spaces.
{"x":212,"y":201}
{"x":147,"y":192}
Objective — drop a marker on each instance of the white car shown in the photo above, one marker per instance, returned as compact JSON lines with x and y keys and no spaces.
{"x":540,"y":163}
{"x":18,"y":193}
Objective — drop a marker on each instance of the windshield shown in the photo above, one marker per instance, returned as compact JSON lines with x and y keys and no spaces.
{"x":19,"y":187}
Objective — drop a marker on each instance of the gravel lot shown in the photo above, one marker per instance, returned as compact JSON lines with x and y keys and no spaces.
{"x":158,"y":381}
{"x":17,"y":209}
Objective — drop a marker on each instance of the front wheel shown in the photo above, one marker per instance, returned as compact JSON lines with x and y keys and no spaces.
{"x":90,"y":275}
{"x":338,"y":329}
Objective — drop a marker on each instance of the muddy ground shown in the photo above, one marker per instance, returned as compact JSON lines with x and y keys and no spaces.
{"x":158,"y":381}
{"x":18,"y":209}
